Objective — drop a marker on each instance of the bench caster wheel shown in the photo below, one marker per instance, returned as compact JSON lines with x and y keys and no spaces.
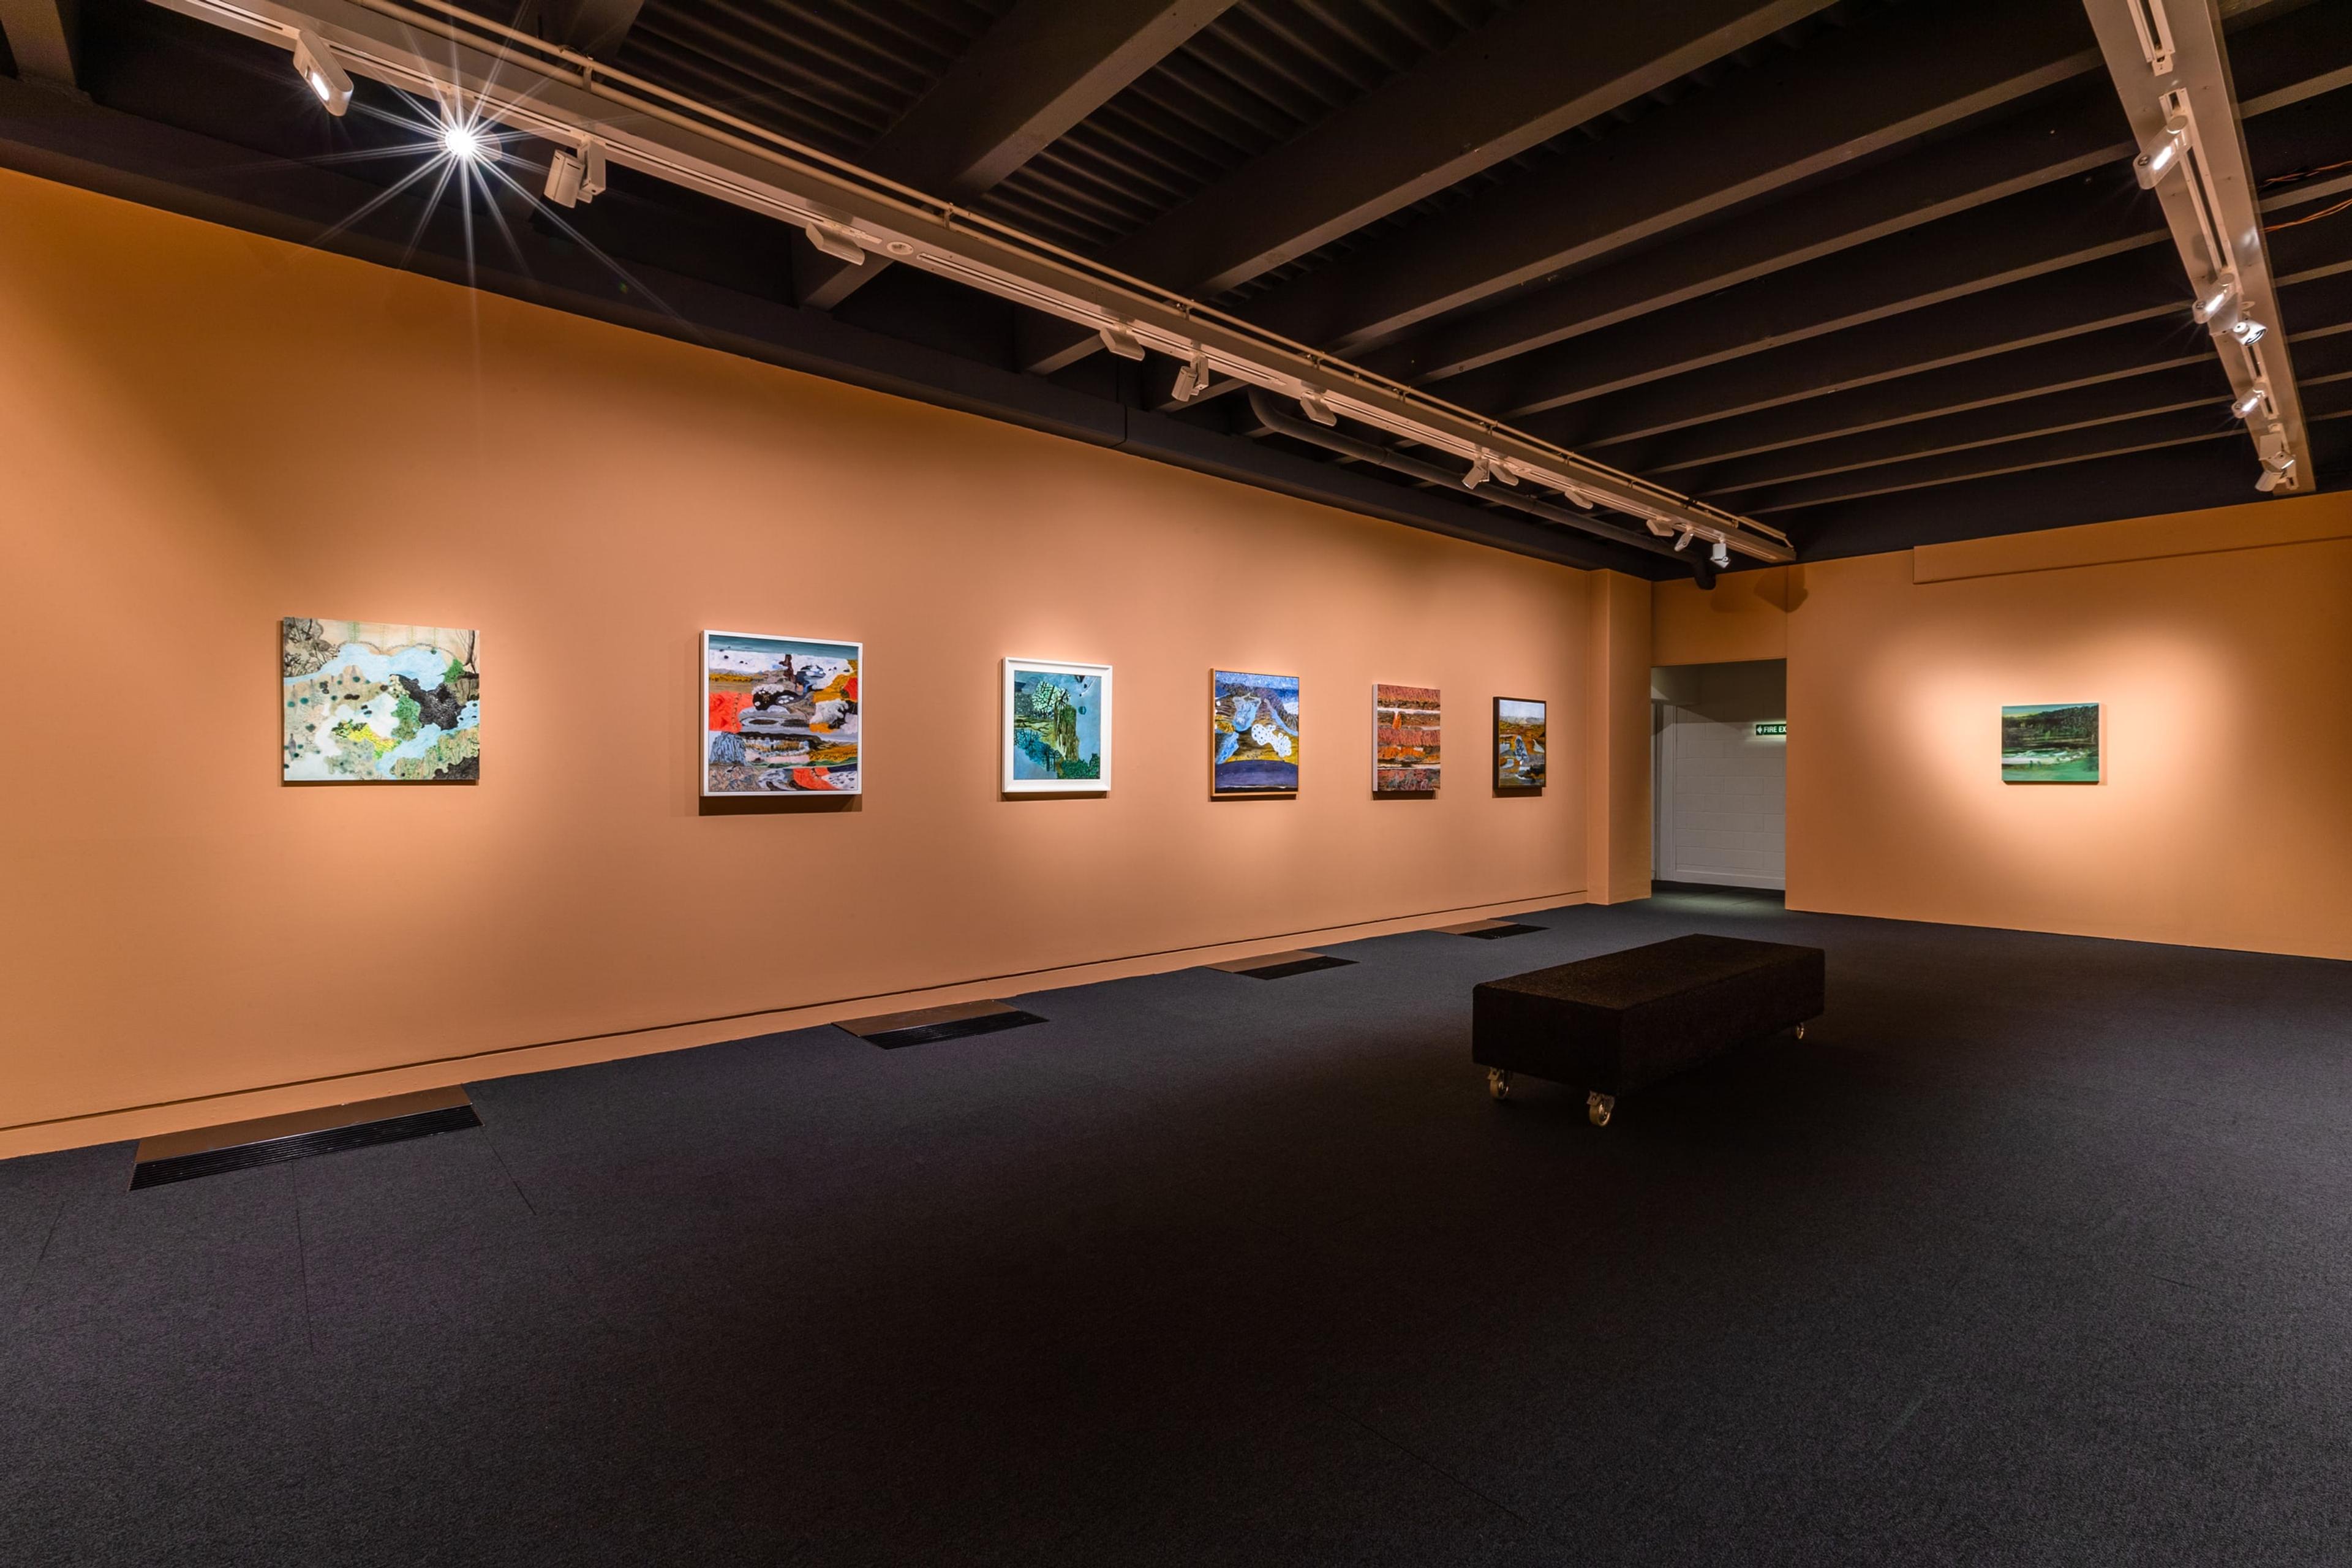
{"x":1801,"y":1031}
{"x":1597,"y":1107}
{"x":1499,"y":1083}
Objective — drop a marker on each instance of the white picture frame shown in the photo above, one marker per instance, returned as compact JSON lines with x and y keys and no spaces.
{"x":777,"y":783}
{"x":1011,"y":751}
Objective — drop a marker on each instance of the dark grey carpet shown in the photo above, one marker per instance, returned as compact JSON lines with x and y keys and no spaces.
{"x":2036,"y":1250}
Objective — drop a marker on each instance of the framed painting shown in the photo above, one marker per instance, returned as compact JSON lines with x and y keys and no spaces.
{"x":781,"y":715}
{"x":2049,"y":743}
{"x":1252,"y":734}
{"x":1404,"y":740}
{"x":371,"y":702}
{"x":1518,"y":743}
{"x":1056,"y":727}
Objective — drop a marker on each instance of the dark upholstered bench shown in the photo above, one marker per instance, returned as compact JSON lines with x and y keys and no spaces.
{"x":1614,"y":1024}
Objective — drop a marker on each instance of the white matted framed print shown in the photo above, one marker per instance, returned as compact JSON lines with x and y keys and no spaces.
{"x":781,"y":715}
{"x":1056,"y":727}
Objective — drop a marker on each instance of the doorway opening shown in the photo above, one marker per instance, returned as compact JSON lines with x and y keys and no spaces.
{"x":1720,"y":738}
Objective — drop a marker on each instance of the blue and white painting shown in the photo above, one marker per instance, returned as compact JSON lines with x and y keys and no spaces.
{"x":1056,"y":727}
{"x":1253,"y":726}
{"x":366,"y":701}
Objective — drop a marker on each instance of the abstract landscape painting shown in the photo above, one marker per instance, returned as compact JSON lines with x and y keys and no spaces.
{"x":1404,"y":740}
{"x":782,"y":715}
{"x":1056,"y":727}
{"x":1518,"y":743}
{"x":2050,"y":743}
{"x":371,"y":702}
{"x":1253,"y":727}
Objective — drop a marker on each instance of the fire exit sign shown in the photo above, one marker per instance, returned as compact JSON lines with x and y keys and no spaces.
{"x":1773,"y":727}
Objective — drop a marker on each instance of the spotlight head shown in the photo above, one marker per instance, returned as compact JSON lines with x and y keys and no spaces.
{"x":316,"y":65}
{"x":2247,"y":330}
{"x":2270,"y":478}
{"x":591,"y":171}
{"x":1311,"y":403}
{"x":563,"y":175}
{"x":2216,"y":296}
{"x":1684,"y":543}
{"x":1478,"y":475}
{"x":2154,"y":164}
{"x":465,"y":142}
{"x":1720,"y":555}
{"x":841,"y":247}
{"x":2245,"y":407}
{"x":1122,"y":343}
{"x":1190,"y":377}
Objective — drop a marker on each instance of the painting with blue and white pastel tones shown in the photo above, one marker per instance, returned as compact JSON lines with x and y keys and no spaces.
{"x":369,"y":702}
{"x":1520,"y":743}
{"x":1253,"y":725}
{"x":1056,"y":727}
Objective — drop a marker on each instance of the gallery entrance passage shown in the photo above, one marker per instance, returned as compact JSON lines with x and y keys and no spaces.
{"x":1720,"y":738}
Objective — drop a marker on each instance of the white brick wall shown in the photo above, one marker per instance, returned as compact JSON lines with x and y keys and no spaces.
{"x":1721,"y":808}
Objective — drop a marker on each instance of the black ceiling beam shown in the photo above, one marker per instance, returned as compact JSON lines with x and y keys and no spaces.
{"x":1534,"y":72}
{"x":2040,"y":144}
{"x":2142,"y":484}
{"x":595,"y":28}
{"x":2140,"y":285}
{"x":1950,"y":176}
{"x":1044,"y":68}
{"x":2200,"y":384}
{"x":2175,"y":430}
{"x":73,"y":142}
{"x":1852,"y":92}
{"x":2044,"y":230}
{"x":45,"y":40}
{"x":2134,"y":349}
{"x":2210,"y":421}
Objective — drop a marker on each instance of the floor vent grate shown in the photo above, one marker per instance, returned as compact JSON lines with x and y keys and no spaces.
{"x":951,"y":1029}
{"x":1506,"y":928}
{"x":302,"y":1146}
{"x":1296,"y":967}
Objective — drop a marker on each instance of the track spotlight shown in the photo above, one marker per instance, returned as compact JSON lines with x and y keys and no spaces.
{"x":2247,"y":330}
{"x":563,"y":175}
{"x":315,"y":64}
{"x":2151,"y":165}
{"x":837,"y":244}
{"x":2245,"y":407}
{"x":1122,"y":343}
{"x":1478,"y":475}
{"x":465,"y":143}
{"x":2210,"y":303}
{"x":1684,"y":543}
{"x":1190,"y":378}
{"x":1311,"y":403}
{"x":575,"y":177}
{"x":2272,"y":479}
{"x":1720,"y":555}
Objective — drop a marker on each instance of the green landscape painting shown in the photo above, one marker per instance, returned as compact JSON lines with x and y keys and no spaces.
{"x":2050,"y":742}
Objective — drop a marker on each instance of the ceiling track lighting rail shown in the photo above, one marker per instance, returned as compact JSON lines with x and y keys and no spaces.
{"x":597,"y":116}
{"x":2173,"y":77}
{"x":1282,"y":423}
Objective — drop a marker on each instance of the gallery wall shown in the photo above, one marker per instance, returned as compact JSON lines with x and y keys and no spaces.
{"x":211,"y":430}
{"x":2215,"y":643}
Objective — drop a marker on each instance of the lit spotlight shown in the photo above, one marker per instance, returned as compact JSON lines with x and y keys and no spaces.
{"x":1722,"y":554}
{"x":316,"y":65}
{"x":465,"y":142}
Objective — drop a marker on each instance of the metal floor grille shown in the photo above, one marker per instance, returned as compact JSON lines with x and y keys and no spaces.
{"x":1296,"y":967}
{"x":950,"y":1029}
{"x":1491,"y":933}
{"x":302,"y":1146}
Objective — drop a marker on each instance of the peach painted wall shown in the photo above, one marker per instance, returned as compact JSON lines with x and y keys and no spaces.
{"x":2222,"y":819}
{"x":1617,"y":739}
{"x":209,"y":430}
{"x":1744,"y":617}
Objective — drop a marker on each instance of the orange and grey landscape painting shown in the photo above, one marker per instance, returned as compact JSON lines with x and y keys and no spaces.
{"x":1404,"y":740}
